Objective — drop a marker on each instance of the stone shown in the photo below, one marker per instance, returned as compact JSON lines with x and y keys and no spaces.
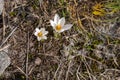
{"x":4,"y":61}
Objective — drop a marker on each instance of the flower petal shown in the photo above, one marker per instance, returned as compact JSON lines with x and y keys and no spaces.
{"x":42,"y":30}
{"x":37,"y":29}
{"x":36,"y":33}
{"x":56,"y":18}
{"x":67,"y":26}
{"x":44,"y":37}
{"x":62,"y":30}
{"x":45,"y":32}
{"x":59,"y":31}
{"x":39,"y":38}
{"x":62,"y":21}
{"x":52,"y":23}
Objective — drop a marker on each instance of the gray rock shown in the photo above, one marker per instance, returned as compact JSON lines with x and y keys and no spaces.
{"x":4,"y":61}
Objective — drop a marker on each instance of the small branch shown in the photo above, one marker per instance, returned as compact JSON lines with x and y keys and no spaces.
{"x":27,"y":57}
{"x":21,"y":70}
{"x":3,"y":17}
{"x":57,"y":70}
{"x":5,"y":47}
{"x":8,"y":37}
{"x":67,"y":73}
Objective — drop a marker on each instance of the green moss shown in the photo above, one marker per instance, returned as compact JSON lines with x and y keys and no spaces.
{"x":12,"y":14}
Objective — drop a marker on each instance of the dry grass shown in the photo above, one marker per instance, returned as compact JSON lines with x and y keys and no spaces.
{"x":93,"y":43}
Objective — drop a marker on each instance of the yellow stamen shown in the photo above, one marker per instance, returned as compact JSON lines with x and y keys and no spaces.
{"x":40,"y":34}
{"x":58,"y":27}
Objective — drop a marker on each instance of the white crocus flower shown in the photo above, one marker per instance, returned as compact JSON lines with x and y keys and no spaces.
{"x":40,"y":33}
{"x":59,"y":24}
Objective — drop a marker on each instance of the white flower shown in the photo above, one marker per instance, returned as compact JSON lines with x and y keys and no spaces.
{"x":40,"y":33}
{"x":59,"y":24}
{"x":1,"y":6}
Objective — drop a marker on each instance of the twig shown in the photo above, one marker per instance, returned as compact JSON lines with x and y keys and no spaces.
{"x":27,"y":57}
{"x":31,"y":69}
{"x":60,"y":74}
{"x":57,"y":70}
{"x":8,"y":36}
{"x":69,"y":65}
{"x":3,"y":17}
{"x":78,"y":73}
{"x":5,"y":47}
{"x":87,"y":68}
{"x":89,"y":58}
{"x":20,"y":70}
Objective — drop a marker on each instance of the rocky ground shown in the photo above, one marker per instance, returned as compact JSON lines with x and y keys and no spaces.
{"x":90,"y":50}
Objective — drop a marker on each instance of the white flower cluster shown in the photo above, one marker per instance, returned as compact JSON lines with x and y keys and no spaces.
{"x":58,"y":25}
